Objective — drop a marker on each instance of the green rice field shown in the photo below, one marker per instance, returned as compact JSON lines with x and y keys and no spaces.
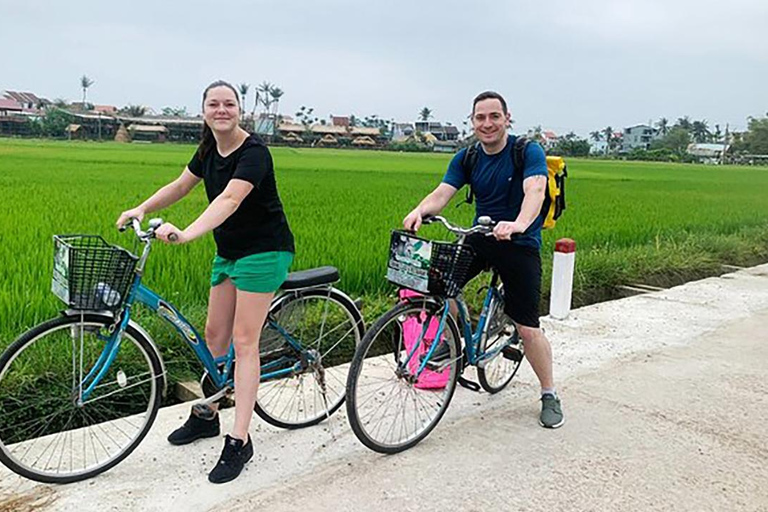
{"x":651,"y":223}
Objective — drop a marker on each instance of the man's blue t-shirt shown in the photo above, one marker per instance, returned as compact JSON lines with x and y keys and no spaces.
{"x":498,"y":186}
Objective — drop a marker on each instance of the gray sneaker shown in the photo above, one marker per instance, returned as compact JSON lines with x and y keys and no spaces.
{"x":551,"y":414}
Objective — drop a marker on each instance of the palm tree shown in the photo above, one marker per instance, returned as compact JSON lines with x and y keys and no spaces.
{"x":700,"y":131}
{"x":425,"y":114}
{"x":596,"y":136}
{"x":684,"y":123}
{"x":276,"y":93}
{"x":609,"y":139}
{"x":266,"y":94}
{"x":663,"y":126}
{"x":243,"y":88}
{"x":85,"y":83}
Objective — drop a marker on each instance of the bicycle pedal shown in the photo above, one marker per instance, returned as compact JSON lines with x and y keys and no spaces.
{"x":512,"y":353}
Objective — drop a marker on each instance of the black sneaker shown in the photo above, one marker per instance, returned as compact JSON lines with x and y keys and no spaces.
{"x":197,"y":426}
{"x":233,"y":458}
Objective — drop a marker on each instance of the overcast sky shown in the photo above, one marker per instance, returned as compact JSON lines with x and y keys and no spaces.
{"x":563,"y":64}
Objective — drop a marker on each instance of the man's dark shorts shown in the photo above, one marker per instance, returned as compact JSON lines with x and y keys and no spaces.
{"x":519,"y":267}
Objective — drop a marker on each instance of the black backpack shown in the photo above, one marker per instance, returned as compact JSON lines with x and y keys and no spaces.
{"x":554,"y":199}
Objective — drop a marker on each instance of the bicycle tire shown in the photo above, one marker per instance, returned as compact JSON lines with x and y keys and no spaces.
{"x":95,"y":414}
{"x":496,"y":374}
{"x":368,"y":359}
{"x":299,"y":400}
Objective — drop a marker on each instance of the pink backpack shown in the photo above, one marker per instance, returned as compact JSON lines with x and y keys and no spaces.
{"x":412,"y":328}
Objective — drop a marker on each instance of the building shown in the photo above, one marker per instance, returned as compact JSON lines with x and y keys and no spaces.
{"x":708,"y":153}
{"x":639,"y":136}
{"x":402,"y":131}
{"x":27,"y":100}
{"x":438,"y":130}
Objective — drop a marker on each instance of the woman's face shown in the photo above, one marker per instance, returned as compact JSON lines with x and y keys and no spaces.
{"x":221,"y":111}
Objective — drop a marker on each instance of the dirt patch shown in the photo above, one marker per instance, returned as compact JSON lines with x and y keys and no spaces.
{"x":36,"y":499}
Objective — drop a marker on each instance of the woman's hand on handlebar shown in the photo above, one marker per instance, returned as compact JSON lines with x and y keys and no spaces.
{"x":125,"y":217}
{"x":170,"y":234}
{"x":505,"y":229}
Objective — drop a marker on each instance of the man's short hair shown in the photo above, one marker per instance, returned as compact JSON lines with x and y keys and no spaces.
{"x":489,"y":95}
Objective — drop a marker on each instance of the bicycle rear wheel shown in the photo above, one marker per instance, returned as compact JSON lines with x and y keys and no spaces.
{"x":496,"y":373}
{"x":46,"y":434}
{"x":390,"y":407}
{"x":327,"y":327}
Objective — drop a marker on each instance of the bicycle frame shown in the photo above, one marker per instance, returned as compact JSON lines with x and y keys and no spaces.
{"x":474,"y":357}
{"x":219,"y":369}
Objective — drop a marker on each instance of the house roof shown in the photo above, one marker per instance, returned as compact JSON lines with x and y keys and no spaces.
{"x":337,"y":130}
{"x":7,"y":104}
{"x":364,"y":141}
{"x":329,"y":139}
{"x":147,"y":128}
{"x":291,"y":127}
{"x":363,"y":130}
{"x":24,"y":97}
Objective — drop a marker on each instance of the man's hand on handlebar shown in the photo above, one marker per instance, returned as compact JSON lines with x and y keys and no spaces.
{"x":505,"y":229}
{"x":412,"y":222}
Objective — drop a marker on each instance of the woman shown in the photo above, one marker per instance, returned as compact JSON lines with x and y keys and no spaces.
{"x":254,"y":249}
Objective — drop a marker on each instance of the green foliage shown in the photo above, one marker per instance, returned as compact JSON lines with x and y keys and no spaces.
{"x":676,"y":141}
{"x":53,"y":124}
{"x":571,"y":145}
{"x":756,"y":139}
{"x":632,"y":220}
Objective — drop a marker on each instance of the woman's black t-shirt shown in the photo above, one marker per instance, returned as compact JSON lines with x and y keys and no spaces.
{"x":259,"y":224}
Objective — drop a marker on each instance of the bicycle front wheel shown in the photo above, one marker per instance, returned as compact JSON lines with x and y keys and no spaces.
{"x":49,"y":431}
{"x":314,"y":331}
{"x":390,"y":404}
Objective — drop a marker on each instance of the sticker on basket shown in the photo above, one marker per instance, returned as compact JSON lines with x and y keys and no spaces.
{"x":409,"y":259}
{"x":60,"y":281}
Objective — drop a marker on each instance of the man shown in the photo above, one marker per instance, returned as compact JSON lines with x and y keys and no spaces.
{"x":513,"y":199}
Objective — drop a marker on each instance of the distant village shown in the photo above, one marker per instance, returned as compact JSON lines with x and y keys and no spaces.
{"x":24,"y":114}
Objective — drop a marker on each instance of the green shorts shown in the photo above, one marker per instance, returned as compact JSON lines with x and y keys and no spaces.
{"x":258,"y":273}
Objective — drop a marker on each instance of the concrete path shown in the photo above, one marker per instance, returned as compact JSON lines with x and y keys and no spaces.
{"x":665,"y":397}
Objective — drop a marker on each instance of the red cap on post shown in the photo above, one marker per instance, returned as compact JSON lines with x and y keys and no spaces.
{"x":565,"y":245}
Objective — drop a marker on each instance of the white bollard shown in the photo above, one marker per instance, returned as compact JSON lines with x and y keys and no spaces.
{"x":562,"y":278}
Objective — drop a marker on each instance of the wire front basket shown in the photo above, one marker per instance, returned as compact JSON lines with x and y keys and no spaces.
{"x":434,"y":268}
{"x":91,"y":274}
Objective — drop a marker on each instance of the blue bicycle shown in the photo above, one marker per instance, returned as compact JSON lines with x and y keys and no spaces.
{"x":78,"y":393}
{"x":405,"y":370}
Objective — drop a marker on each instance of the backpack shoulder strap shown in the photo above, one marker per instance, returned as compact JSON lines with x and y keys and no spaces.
{"x":518,"y":151}
{"x":468,"y":165}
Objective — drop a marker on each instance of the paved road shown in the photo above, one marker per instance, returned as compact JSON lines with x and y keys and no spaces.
{"x":666,"y":401}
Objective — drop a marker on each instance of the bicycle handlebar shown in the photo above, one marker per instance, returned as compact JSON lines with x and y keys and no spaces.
{"x":484,"y":226}
{"x":149,"y":234}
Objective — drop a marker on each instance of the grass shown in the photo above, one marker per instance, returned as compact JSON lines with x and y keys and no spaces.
{"x":633,"y":221}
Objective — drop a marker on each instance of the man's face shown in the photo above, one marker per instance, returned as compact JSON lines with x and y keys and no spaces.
{"x":489,"y":121}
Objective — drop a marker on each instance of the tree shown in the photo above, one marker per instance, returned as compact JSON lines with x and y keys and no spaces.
{"x":663,"y":126}
{"x":265,"y":90}
{"x":756,"y":138}
{"x":425,"y":114}
{"x":676,"y":140}
{"x":609,"y":139}
{"x":596,"y":136}
{"x":700,"y":131}
{"x":174,"y":112}
{"x":85,"y":83}
{"x":276,"y":93}
{"x":571,"y":145}
{"x":243,"y":88}
{"x":133,"y":111}
{"x":684,"y":123}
